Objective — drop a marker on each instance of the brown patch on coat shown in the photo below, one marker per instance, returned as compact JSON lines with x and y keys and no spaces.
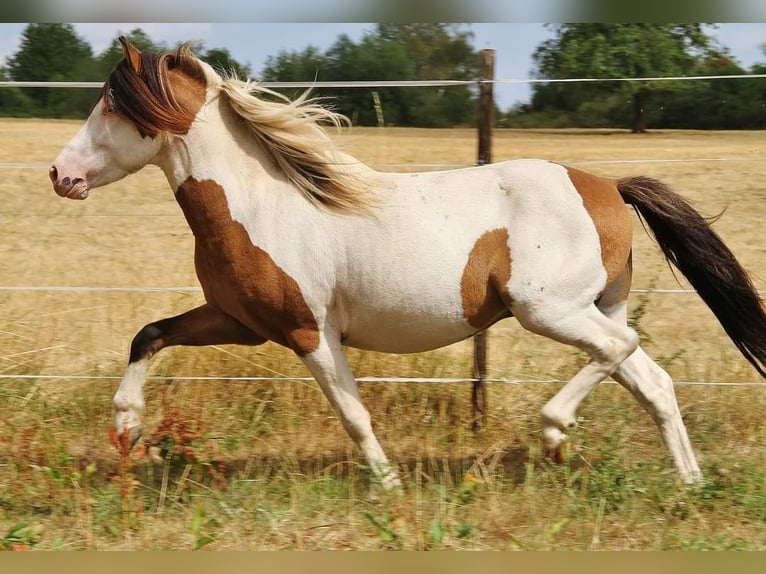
{"x":618,"y":290}
{"x":610,"y":217}
{"x":484,"y":285}
{"x":240,"y":278}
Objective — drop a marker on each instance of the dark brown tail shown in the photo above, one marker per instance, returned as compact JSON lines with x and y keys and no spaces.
{"x":688,"y":241}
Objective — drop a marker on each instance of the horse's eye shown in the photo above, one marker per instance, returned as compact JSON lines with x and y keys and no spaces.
{"x":109,"y":106}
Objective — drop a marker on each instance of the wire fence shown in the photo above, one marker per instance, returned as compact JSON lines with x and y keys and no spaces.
{"x":188,"y":289}
{"x":417,"y":83}
{"x":368,"y":85}
{"x":43,"y":165}
{"x":435,"y":380}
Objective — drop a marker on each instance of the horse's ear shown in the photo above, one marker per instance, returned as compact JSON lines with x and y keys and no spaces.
{"x":131,"y":54}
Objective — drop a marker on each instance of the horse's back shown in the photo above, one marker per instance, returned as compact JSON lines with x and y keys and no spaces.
{"x":452,"y":252}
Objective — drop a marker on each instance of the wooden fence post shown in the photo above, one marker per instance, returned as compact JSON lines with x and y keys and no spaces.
{"x":486,"y":121}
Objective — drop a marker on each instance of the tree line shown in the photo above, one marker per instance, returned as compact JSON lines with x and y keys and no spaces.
{"x":432,"y":51}
{"x":55,"y":53}
{"x":641,"y":51}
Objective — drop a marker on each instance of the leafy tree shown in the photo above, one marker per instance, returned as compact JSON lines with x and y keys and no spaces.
{"x":219,"y":58}
{"x":392,"y":52}
{"x":617,"y":51}
{"x":304,"y":66}
{"x":296,"y":66}
{"x":223,"y":62}
{"x":345,"y":60}
{"x":711,"y":104}
{"x":13,"y":101}
{"x":437,"y":52}
{"x":373,"y":59}
{"x":50,"y":52}
{"x":108,"y":59}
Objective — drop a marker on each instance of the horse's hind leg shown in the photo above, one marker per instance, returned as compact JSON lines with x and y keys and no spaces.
{"x":653,"y":388}
{"x":205,"y":325}
{"x":608,"y":343}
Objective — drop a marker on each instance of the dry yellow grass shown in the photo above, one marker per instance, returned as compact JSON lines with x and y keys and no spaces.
{"x":132,"y":234}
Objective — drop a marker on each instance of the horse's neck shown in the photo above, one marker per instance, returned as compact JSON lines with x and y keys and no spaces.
{"x":213,"y":144}
{"x":220,"y":174}
{"x":219,"y":150}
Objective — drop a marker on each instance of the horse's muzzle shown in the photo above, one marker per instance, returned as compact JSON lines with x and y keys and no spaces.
{"x":71,"y":188}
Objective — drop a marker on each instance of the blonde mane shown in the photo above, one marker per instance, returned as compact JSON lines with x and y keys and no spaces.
{"x":290,"y":133}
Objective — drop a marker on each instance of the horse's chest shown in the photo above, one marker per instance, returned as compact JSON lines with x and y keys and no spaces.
{"x":241,"y":274}
{"x":245,"y":282}
{"x":242,"y":279}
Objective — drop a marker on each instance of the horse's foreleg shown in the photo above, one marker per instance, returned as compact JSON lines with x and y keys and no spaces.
{"x":205,"y":325}
{"x":329,"y":367}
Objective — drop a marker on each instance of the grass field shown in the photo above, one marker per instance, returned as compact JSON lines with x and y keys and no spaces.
{"x":266,"y":465}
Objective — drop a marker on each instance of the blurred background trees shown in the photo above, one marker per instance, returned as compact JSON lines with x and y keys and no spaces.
{"x":432,"y":51}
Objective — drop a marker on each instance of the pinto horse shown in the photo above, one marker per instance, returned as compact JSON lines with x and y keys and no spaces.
{"x":303,"y":245}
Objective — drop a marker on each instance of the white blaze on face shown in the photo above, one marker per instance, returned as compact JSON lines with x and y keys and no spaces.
{"x":128,"y":129}
{"x":106,"y":149}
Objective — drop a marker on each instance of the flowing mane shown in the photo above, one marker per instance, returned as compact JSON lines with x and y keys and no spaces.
{"x":291,"y":135}
{"x":289,"y":131}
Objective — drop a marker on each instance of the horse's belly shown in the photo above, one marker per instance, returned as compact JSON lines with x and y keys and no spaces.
{"x":427,"y":303}
{"x":390,"y":339}
{"x":395,"y":332}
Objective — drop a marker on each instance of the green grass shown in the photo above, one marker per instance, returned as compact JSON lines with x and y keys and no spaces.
{"x":266,"y":465}
{"x":284,"y":476}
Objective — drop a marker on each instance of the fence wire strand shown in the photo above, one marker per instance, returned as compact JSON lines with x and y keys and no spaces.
{"x":412,"y":83}
{"x":371,"y":84}
{"x":417,"y":380}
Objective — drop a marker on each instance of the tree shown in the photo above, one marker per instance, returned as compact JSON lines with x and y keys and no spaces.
{"x":373,"y":59}
{"x":617,"y":51}
{"x":713,"y":104}
{"x":392,"y":52}
{"x":219,"y":58}
{"x":49,"y":52}
{"x":224,"y":63}
{"x":305,"y":66}
{"x":13,"y":101}
{"x":345,"y":60}
{"x":437,"y":52}
{"x":54,"y":52}
{"x":296,"y":66}
{"x":109,"y":58}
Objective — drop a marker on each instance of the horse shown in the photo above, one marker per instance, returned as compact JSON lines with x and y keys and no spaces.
{"x":299,"y":243}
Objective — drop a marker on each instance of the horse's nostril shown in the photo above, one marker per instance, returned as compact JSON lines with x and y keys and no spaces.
{"x":53,"y":173}
{"x":76,"y":180}
{"x":66,"y":181}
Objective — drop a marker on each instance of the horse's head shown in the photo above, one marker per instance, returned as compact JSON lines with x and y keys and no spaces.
{"x":147,"y":99}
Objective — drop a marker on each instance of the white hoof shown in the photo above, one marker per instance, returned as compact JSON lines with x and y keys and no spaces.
{"x":128,"y":422}
{"x":553,"y":437}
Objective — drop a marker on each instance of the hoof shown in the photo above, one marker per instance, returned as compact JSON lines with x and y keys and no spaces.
{"x":555,"y":443}
{"x":134,"y":433}
{"x":392,"y":483}
{"x":126,"y":439}
{"x":558,"y":454}
{"x":693,"y":478}
{"x":553,"y":437}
